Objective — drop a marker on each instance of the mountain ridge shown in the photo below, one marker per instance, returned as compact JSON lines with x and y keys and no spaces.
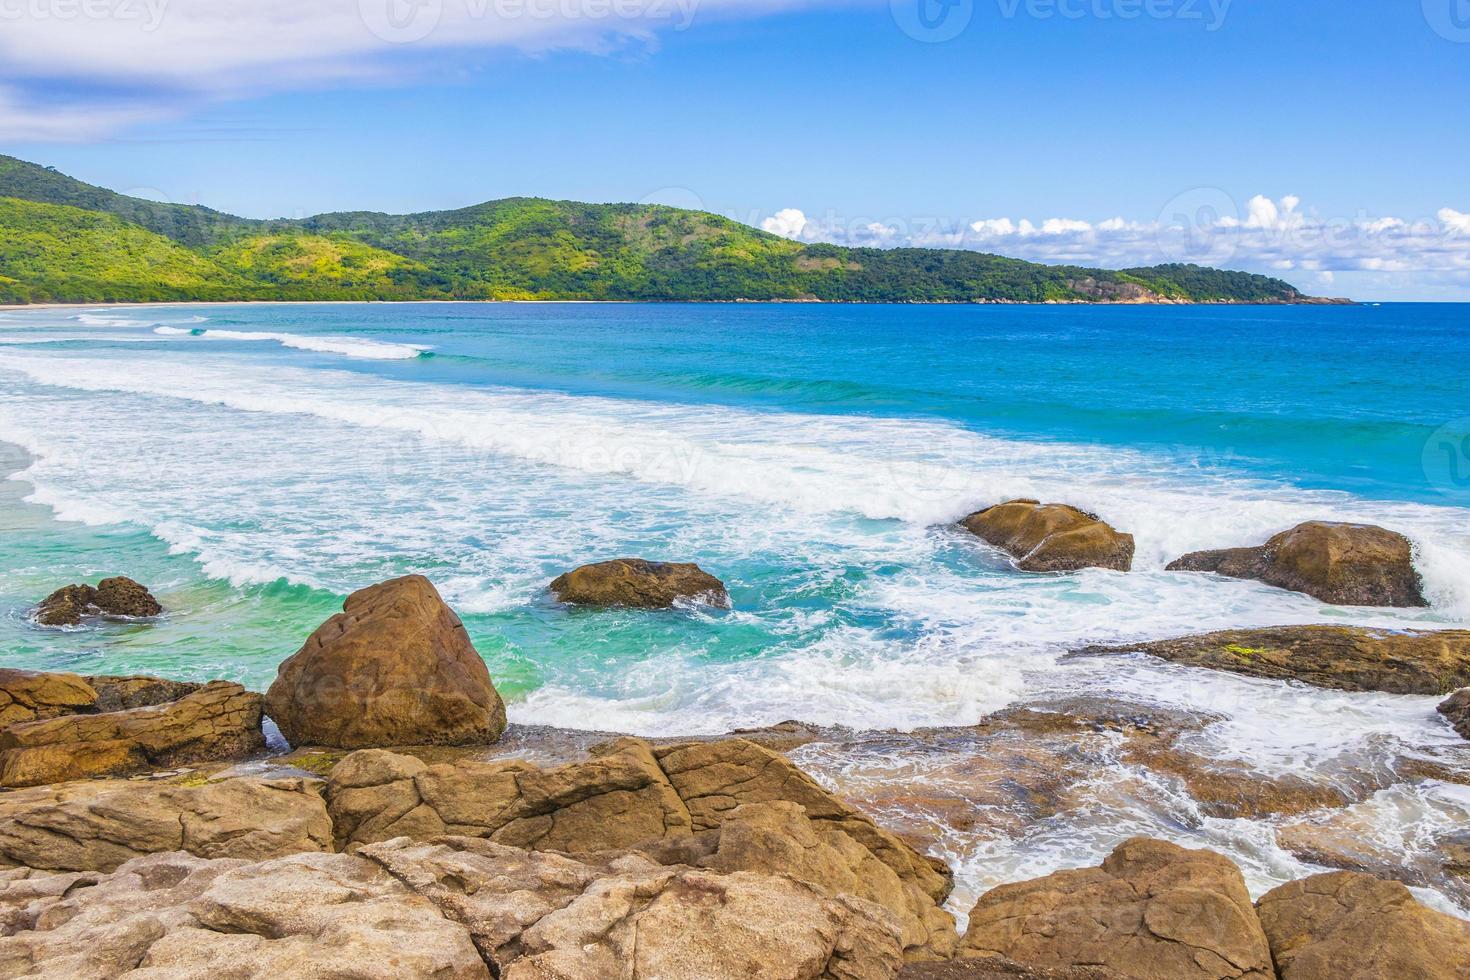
{"x":63,"y":240}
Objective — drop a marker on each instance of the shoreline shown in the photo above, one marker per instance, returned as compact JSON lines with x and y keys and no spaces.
{"x":644,"y":302}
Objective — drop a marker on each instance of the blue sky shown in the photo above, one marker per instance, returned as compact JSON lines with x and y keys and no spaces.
{"x":1108,"y":118}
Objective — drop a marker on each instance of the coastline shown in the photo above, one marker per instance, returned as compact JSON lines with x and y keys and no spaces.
{"x":1313,"y":301}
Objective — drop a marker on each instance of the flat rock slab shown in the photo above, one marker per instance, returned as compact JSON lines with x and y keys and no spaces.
{"x":217,"y":721}
{"x":1344,"y":658}
{"x":96,"y":825}
{"x":451,"y":908}
{"x":1051,"y":537}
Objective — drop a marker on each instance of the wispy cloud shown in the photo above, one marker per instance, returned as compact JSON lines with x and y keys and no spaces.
{"x":172,"y":53}
{"x":1265,"y":234}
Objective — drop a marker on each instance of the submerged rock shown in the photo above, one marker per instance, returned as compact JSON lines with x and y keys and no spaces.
{"x":1344,"y":658}
{"x":119,"y":596}
{"x":1344,"y":564}
{"x":640,"y":584}
{"x":1051,"y":537}
{"x":395,"y":667}
{"x":219,"y":720}
{"x":1348,"y":926}
{"x":1152,"y":910}
{"x":1456,"y":709}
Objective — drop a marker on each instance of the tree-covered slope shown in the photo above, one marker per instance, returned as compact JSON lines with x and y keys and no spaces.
{"x":53,"y":253}
{"x":516,"y":248}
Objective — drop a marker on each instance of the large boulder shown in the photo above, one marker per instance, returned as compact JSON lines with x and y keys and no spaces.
{"x":1051,"y":537}
{"x":640,"y":584}
{"x":1344,"y":564}
{"x":1456,"y":710}
{"x":217,"y":721}
{"x":1152,"y":911}
{"x":1348,"y":926}
{"x":96,"y":825}
{"x":395,"y":667}
{"x":113,"y":597}
{"x":1345,"y":658}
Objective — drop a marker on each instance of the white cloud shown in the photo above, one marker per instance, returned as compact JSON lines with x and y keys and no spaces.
{"x":184,"y":50}
{"x":25,"y":121}
{"x":788,"y":223}
{"x":1064,"y":226}
{"x":1272,"y":236}
{"x":1456,"y":221}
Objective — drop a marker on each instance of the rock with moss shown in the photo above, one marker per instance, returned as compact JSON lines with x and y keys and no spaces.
{"x":1344,"y":564}
{"x":1051,"y":537}
{"x":1344,"y":658}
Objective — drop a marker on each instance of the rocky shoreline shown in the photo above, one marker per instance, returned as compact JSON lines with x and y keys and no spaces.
{"x":145,"y":831}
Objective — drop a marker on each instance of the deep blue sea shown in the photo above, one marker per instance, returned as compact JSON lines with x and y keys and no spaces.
{"x":253,"y":464}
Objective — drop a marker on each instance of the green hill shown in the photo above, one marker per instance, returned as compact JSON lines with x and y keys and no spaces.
{"x":63,"y":240}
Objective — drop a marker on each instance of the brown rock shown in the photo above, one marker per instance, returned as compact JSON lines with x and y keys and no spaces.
{"x":606,"y":803}
{"x":1345,"y":658}
{"x":1348,"y":926}
{"x":173,"y":916}
{"x":1051,"y":537}
{"x":1344,"y":564}
{"x":1456,"y":709}
{"x":97,"y":825}
{"x":537,"y":916}
{"x":120,"y":693}
{"x":1000,"y":968}
{"x":219,"y":721}
{"x":1152,"y":911}
{"x":118,"y":596}
{"x":395,"y":667}
{"x":656,"y":799}
{"x":779,"y":838}
{"x":639,"y":584}
{"x":28,"y":696}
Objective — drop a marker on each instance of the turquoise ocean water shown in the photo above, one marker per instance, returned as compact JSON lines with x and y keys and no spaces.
{"x":255,"y":463}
